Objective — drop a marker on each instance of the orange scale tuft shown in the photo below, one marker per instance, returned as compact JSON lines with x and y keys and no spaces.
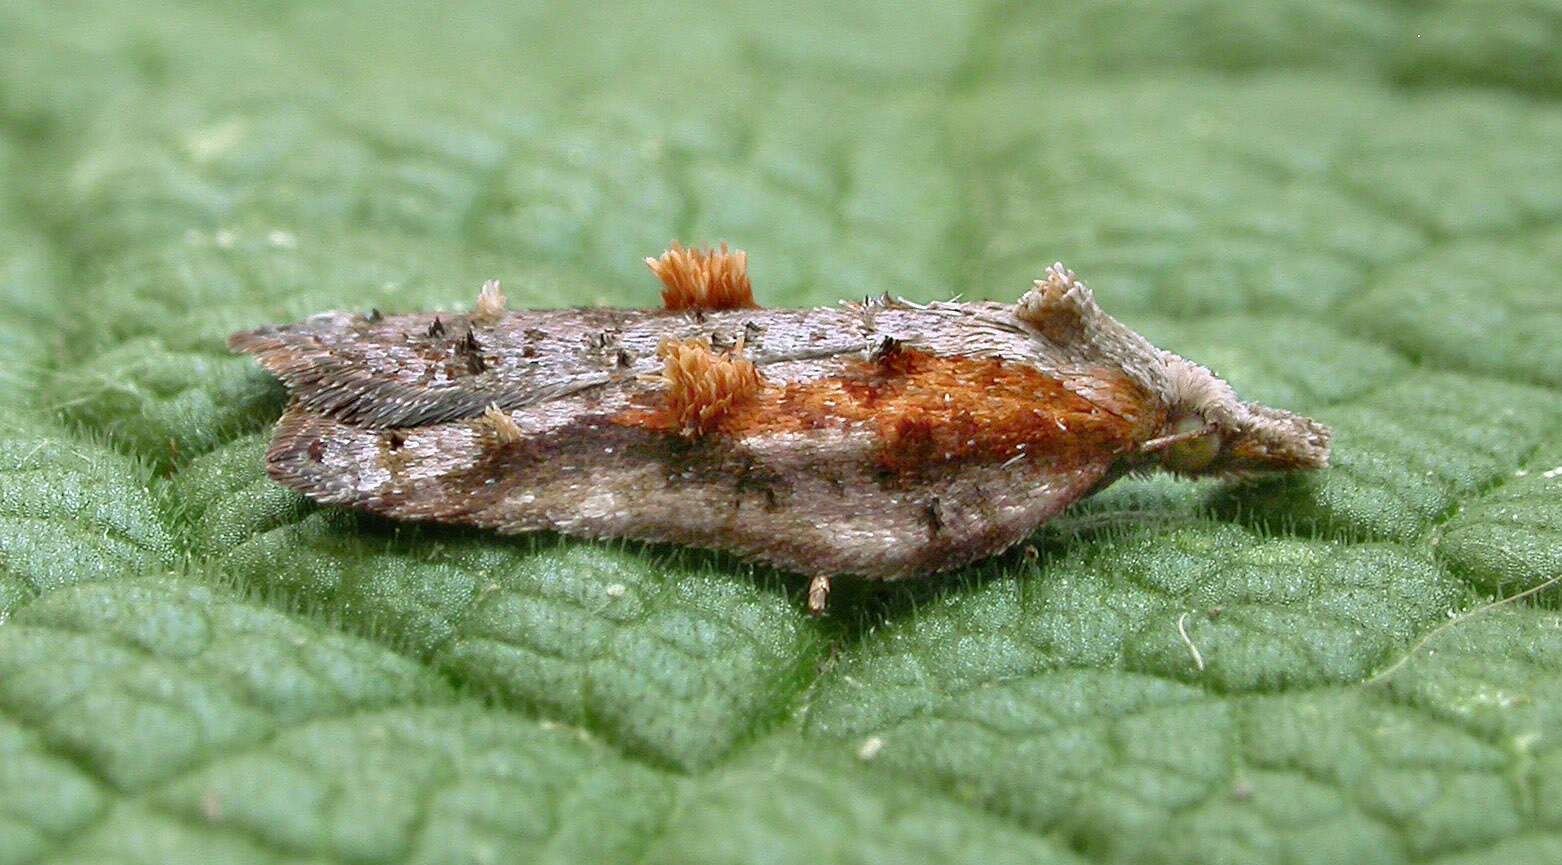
{"x":697,"y":278}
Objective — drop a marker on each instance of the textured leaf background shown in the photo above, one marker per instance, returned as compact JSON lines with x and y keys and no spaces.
{"x":1352,"y":209}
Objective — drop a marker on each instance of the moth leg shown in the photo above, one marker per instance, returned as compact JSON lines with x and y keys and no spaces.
{"x":818,"y":593}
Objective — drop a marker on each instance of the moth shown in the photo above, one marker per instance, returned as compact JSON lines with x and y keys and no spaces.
{"x":883,"y":438}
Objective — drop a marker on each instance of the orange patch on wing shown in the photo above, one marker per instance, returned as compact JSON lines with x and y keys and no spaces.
{"x":703,"y":278}
{"x":926,"y":411}
{"x":931,"y":410}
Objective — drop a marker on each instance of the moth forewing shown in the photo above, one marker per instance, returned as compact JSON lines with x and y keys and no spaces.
{"x":881,"y":438}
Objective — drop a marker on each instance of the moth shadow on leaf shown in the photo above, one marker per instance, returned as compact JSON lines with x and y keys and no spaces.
{"x":1282,"y":505}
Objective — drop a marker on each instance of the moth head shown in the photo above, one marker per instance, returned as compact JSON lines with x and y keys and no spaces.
{"x":1209,"y":432}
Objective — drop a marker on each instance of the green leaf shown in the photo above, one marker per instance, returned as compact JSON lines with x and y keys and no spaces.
{"x":1346,"y":208}
{"x":679,"y":663}
{"x":788,"y":803}
{"x":71,"y":511}
{"x":1474,"y":305}
{"x":180,"y":673}
{"x":162,"y":405}
{"x":419,"y":782}
{"x":29,"y":294}
{"x":1509,"y":539}
{"x":1131,"y":766}
{"x":1258,"y":356}
{"x":1197,"y":602}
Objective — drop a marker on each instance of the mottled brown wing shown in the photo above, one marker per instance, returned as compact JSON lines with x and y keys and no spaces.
{"x":405,"y":370}
{"x":815,"y":502}
{"x":879,"y":440}
{"x":885,"y":439}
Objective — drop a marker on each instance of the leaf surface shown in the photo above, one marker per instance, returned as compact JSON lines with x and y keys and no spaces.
{"x":1347,"y":208}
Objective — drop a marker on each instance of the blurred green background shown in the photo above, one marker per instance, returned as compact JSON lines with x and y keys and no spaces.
{"x":1348,"y":208}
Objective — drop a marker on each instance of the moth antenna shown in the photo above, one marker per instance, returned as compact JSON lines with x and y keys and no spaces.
{"x":491,"y":304}
{"x":697,"y":278}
